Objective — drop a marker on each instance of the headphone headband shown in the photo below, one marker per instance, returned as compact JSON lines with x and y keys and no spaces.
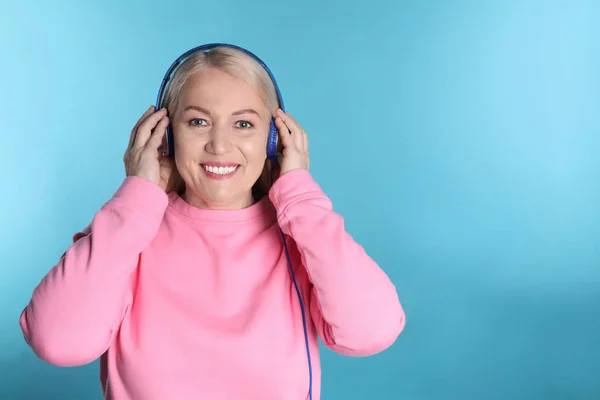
{"x":206,"y":48}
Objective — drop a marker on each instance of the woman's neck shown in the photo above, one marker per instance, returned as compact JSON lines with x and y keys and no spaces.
{"x":243,"y":201}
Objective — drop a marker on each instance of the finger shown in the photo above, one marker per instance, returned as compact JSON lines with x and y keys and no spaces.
{"x":284,"y":133}
{"x":296,"y":130}
{"x":145,"y":129}
{"x":157,"y":135}
{"x":289,"y":121}
{"x":137,"y":124}
{"x":305,"y":139}
{"x":298,"y":137}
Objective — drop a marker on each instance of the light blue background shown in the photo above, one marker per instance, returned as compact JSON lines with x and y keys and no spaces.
{"x":460,"y":140}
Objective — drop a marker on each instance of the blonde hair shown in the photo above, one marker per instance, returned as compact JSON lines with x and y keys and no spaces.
{"x":236,"y":63}
{"x":229,"y":60}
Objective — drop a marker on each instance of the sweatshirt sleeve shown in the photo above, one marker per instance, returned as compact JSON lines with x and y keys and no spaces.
{"x":353,"y":303}
{"x":76,"y":309}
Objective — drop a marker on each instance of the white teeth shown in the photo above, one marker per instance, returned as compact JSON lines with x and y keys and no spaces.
{"x":220,"y":170}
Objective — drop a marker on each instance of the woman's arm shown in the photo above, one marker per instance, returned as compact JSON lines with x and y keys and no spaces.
{"x":353,"y":303}
{"x":78,"y":306}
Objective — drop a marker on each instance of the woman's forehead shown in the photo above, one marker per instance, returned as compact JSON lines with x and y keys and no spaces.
{"x":213,"y":88}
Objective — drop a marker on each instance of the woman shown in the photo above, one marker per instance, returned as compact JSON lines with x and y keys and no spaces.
{"x":182,"y":284}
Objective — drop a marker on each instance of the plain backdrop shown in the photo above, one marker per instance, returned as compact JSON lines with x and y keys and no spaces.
{"x":459,"y":139}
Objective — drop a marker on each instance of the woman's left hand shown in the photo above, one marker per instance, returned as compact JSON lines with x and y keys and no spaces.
{"x":294,"y":141}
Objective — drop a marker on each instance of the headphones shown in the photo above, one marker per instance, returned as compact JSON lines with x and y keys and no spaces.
{"x":273,"y":139}
{"x":272,"y":154}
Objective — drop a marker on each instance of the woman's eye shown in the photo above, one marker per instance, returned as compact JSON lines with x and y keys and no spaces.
{"x":244,"y":125}
{"x":197,"y":122}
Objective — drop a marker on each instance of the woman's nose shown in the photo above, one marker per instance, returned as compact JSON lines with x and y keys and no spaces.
{"x":219,"y":142}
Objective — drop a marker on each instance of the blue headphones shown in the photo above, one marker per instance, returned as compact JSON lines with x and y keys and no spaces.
{"x":273,"y":131}
{"x":271,"y":154}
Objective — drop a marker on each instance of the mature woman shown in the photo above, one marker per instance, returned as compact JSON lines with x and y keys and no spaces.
{"x":199,"y":279}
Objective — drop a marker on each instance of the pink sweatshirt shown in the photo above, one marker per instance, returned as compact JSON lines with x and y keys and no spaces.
{"x":187,"y":303}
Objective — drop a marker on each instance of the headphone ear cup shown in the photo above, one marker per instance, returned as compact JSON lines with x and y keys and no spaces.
{"x":272,"y":141}
{"x":169,"y":142}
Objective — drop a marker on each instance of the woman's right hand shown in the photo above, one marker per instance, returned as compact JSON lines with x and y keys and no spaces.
{"x":142,"y":157}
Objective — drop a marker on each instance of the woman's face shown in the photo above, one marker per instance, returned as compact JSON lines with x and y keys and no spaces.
{"x":220,"y":131}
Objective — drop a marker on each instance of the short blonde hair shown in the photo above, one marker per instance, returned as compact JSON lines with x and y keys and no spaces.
{"x":229,"y":60}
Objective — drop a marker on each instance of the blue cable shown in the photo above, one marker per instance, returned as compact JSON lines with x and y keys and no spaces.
{"x":289,"y":259}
